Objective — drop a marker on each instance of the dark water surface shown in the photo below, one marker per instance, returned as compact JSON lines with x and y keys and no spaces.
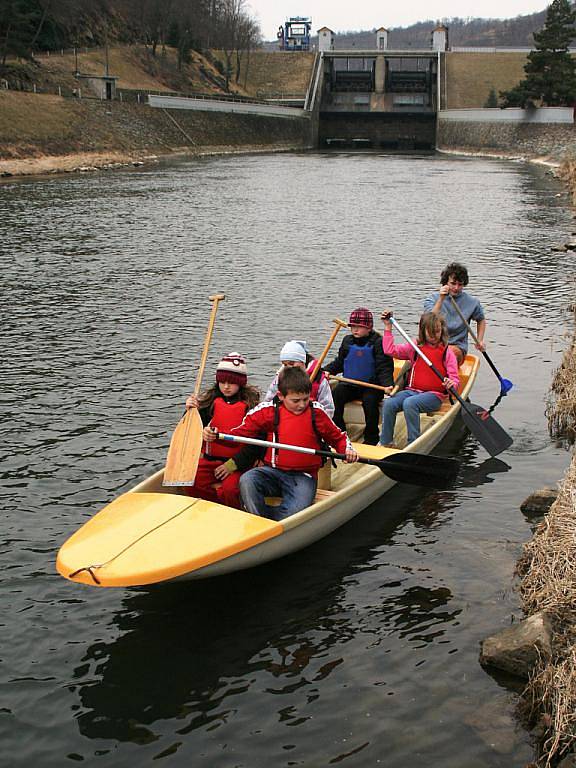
{"x":361,"y":650}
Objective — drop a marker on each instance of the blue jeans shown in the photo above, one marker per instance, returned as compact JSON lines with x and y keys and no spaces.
{"x":413,"y":404}
{"x":297,"y":490}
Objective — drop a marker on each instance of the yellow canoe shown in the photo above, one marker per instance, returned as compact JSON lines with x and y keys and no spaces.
{"x":155,"y":534}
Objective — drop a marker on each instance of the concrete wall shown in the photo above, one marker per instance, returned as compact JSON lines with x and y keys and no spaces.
{"x":381,"y":129}
{"x":511,"y":115}
{"x":222,"y":105}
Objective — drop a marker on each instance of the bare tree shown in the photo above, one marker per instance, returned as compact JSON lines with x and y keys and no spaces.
{"x":248,"y":39}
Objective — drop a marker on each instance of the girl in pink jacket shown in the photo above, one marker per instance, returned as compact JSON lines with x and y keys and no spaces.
{"x":424,"y":392}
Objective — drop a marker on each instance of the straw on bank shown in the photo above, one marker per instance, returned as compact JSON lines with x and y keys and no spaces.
{"x":548,"y":571}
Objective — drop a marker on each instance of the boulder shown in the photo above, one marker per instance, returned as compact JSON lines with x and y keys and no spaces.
{"x":539,"y":502}
{"x":518,"y":649}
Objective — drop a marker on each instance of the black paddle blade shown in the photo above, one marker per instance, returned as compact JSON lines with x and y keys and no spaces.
{"x":419,"y":469}
{"x":485,"y":428}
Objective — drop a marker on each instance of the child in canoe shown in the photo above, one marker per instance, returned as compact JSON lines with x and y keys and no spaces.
{"x":295,"y":353}
{"x":424,"y":392}
{"x":223,"y":406}
{"x":361,"y":357}
{"x":453,"y":280}
{"x":294,"y":420}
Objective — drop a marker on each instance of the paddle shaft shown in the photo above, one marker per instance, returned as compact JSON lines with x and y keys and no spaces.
{"x":413,"y":468}
{"x":428,"y":362}
{"x":478,"y":342}
{"x":339,"y":324}
{"x":359,"y":383}
{"x":284,"y":446}
{"x":186,"y":442}
{"x":393,"y":391}
{"x":218,"y":297}
{"x":486,"y":429}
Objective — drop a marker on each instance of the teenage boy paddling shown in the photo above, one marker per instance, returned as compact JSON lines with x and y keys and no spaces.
{"x":454,"y":279}
{"x":294,"y":420}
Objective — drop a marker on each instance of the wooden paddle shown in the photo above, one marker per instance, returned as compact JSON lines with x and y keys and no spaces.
{"x":186,"y":444}
{"x":413,"y":468}
{"x":478,"y":420}
{"x":339,"y":324}
{"x":395,"y":388}
{"x":358,"y":382}
{"x":505,"y":384}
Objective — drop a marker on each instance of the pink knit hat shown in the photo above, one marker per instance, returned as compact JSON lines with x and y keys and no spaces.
{"x":232,"y":369}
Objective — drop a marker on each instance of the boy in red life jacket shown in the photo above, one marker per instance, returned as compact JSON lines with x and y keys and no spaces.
{"x":295,"y":353}
{"x":294,"y":420}
{"x":224,"y":406}
{"x":425,"y":392}
{"x":361,"y":357}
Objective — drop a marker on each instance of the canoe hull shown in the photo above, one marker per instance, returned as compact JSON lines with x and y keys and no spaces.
{"x":157,"y":534}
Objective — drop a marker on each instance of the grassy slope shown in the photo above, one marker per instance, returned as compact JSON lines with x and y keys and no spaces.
{"x":275,"y":72}
{"x":28,"y":119}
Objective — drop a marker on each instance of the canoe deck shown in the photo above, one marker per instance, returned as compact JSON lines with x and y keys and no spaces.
{"x":142,"y":538}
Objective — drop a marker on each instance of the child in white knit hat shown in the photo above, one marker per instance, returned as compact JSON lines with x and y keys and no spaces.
{"x":295,"y":353}
{"x":223,"y":406}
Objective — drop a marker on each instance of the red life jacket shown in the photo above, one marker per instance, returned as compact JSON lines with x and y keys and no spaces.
{"x":226,"y":416}
{"x":294,"y":430}
{"x":422,"y":377}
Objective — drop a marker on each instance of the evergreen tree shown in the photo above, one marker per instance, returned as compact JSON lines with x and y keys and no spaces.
{"x":18,"y":24}
{"x":550,"y":70}
{"x":492,"y":100}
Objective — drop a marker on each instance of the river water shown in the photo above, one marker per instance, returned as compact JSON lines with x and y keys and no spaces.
{"x":361,"y":650}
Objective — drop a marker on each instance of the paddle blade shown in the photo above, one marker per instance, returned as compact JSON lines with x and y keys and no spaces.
{"x":420,"y":469}
{"x":485,"y":428}
{"x":505,"y":386}
{"x":184,"y":451}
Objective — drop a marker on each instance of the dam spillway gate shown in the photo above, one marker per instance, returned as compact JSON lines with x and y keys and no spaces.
{"x":369,"y":99}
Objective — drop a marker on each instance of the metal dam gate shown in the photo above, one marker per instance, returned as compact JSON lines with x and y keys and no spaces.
{"x":368,"y":99}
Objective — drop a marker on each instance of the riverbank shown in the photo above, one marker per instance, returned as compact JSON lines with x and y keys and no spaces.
{"x":548,"y":576}
{"x":85,"y":162}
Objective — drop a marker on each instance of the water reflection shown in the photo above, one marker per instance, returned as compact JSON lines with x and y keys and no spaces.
{"x":174,"y":658}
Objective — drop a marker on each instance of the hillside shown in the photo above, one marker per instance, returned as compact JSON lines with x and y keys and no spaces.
{"x":266,"y":73}
{"x":42,"y":131}
{"x":133,"y":65}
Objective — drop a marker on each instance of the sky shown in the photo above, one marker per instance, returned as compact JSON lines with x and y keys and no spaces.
{"x":371,"y":14}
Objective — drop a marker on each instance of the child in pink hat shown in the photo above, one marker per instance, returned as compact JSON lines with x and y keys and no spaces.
{"x":223,"y":407}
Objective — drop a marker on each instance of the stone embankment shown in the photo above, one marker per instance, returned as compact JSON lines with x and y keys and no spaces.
{"x":514,"y":140}
{"x":43,"y":134}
